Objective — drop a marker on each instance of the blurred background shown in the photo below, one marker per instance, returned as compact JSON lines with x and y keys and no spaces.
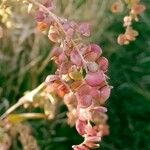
{"x":24,"y":64}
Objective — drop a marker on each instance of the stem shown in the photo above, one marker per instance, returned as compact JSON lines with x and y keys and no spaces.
{"x":28,"y":116}
{"x":26,"y":98}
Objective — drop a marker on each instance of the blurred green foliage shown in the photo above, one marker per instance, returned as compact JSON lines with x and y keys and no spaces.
{"x":129,"y":72}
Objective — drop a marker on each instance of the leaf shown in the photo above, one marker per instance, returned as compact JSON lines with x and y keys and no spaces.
{"x":17,"y":118}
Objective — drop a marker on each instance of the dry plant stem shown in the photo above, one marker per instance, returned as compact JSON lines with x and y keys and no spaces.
{"x":32,"y":115}
{"x":26,"y":98}
{"x":3,"y":3}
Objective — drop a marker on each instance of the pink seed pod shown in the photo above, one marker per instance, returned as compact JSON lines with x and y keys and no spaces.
{"x":97,"y":114}
{"x":84,"y":101}
{"x":91,"y":131}
{"x":92,"y":145}
{"x":84,"y":89}
{"x":51,"y":78}
{"x":75,"y":58}
{"x":92,"y":139}
{"x":104,"y":94}
{"x":54,"y":34}
{"x":83,"y":114}
{"x":95,"y":78}
{"x":80,"y":147}
{"x":70,"y":34}
{"x":40,"y":16}
{"x":93,"y":66}
{"x":56,"y":51}
{"x":94,"y":52}
{"x":84,"y":29}
{"x":70,"y":100}
{"x":80,"y":126}
{"x":62,"y":58}
{"x":95,"y":93}
{"x":122,"y":39}
{"x":64,"y":67}
{"x":49,"y":4}
{"x":100,"y":109}
{"x":138,"y":9}
{"x":103,"y":64}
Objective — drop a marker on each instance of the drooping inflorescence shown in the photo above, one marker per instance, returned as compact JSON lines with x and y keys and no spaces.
{"x":80,"y":78}
{"x":135,"y":9}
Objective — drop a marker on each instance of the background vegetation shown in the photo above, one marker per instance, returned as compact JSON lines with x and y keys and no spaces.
{"x":24,"y":64}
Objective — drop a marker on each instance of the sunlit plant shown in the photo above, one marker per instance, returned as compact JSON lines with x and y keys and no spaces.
{"x":80,"y":80}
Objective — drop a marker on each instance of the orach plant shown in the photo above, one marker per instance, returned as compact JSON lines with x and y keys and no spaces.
{"x":80,"y":79}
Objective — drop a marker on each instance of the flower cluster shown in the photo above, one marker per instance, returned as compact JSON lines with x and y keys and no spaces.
{"x":80,"y":78}
{"x":9,"y":131}
{"x":135,"y":9}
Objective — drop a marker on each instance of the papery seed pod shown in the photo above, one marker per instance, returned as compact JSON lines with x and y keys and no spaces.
{"x":92,"y":131}
{"x":91,"y":139}
{"x":64,"y":67}
{"x":62,"y":90}
{"x":93,"y":66}
{"x":80,"y":126}
{"x":94,"y":52}
{"x":104,"y":94}
{"x":122,"y":40}
{"x":131,"y":32}
{"x":70,"y":100}
{"x":92,"y":145}
{"x":84,"y":101}
{"x":127,"y":21}
{"x":76,"y":84}
{"x":97,"y":114}
{"x":138,"y":9}
{"x":40,"y":16}
{"x":117,"y":7}
{"x":49,"y":4}
{"x":100,"y":109}
{"x":103,"y":64}
{"x":95,"y":78}
{"x":51,"y":78}
{"x":42,"y":26}
{"x":84,"y":89}
{"x":56,"y":51}
{"x":54,"y":34}
{"x":95,"y":93}
{"x":83,"y":114}
{"x":84,"y":29}
{"x":75,"y":58}
{"x":72,"y":117}
{"x":99,"y":118}
{"x":62,"y":58}
{"x":70,"y":34}
{"x":80,"y":147}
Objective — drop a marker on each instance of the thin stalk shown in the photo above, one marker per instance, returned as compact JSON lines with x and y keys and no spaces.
{"x":26,"y":98}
